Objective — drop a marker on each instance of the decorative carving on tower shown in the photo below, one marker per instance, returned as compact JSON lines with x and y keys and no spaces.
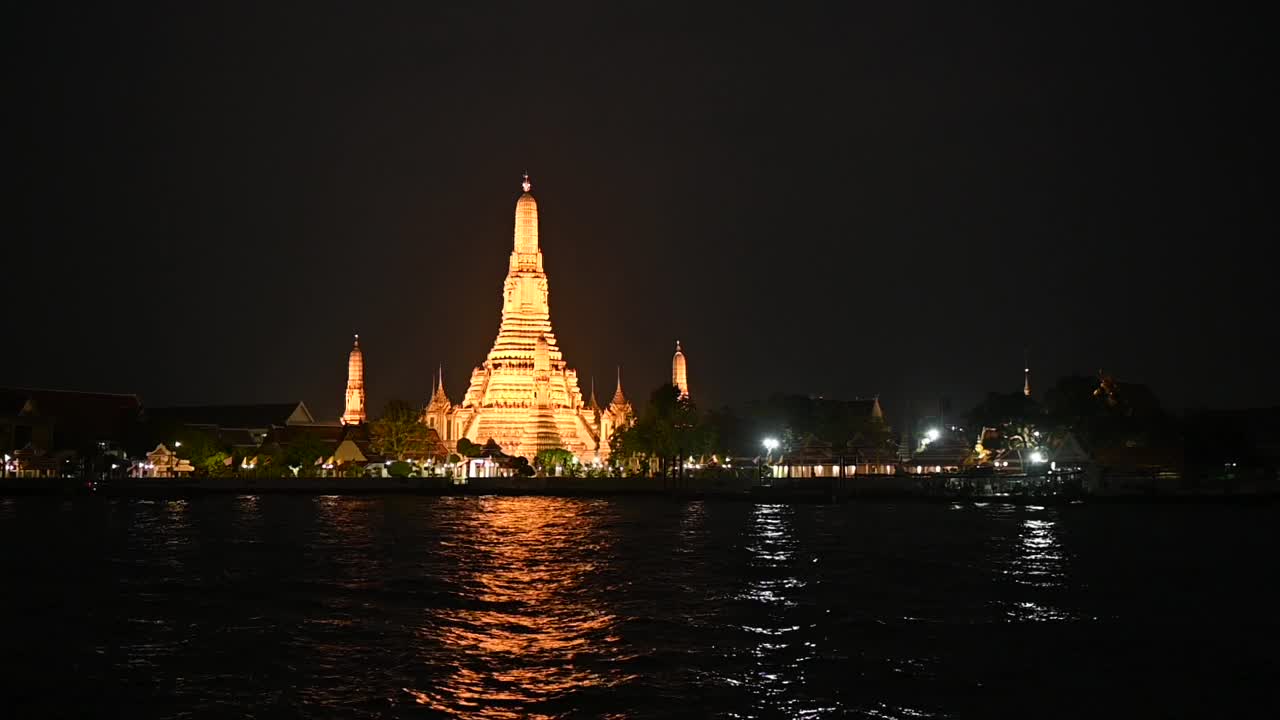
{"x":354,"y":413}
{"x":680,"y":372}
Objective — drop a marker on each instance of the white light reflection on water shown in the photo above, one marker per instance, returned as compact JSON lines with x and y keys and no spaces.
{"x":247,"y":521}
{"x":1038,"y":565}
{"x":889,"y":712}
{"x":693,"y":528}
{"x":778,"y":654}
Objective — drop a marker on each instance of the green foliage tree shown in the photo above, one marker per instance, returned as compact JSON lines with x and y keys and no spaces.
{"x":198,"y":447}
{"x":668,"y":429}
{"x":398,"y":431}
{"x":549,"y":460}
{"x":399,"y":469}
{"x":215,"y":465}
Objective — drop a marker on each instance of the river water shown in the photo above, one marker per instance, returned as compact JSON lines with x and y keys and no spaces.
{"x":507,"y":607}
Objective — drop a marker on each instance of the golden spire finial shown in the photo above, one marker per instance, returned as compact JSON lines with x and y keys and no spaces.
{"x":526,"y":184}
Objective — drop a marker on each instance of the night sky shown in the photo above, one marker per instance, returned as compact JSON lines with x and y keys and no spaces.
{"x":841,"y":200}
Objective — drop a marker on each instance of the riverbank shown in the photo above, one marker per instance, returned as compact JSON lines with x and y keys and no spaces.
{"x":888,"y":488}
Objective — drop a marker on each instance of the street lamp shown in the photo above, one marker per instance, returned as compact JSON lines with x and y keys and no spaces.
{"x":770,"y":444}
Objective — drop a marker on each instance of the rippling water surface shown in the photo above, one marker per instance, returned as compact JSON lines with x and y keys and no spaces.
{"x":325,"y":607}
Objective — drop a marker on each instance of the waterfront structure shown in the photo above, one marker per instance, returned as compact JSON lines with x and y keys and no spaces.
{"x":524,"y":396}
{"x":354,"y":413}
{"x":238,"y":426}
{"x":947,"y":455}
{"x":161,"y":463}
{"x":814,"y":458}
{"x":85,"y":423}
{"x":680,"y":372}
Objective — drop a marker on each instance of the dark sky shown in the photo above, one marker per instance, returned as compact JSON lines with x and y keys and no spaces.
{"x":847,"y":199}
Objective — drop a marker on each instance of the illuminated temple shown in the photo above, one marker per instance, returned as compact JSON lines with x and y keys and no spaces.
{"x":524,"y":396}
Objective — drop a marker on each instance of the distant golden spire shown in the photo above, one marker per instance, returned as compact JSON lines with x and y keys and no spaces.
{"x":354,"y":413}
{"x":680,"y":372}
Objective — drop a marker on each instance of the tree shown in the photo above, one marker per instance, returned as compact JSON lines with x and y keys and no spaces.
{"x":305,"y":449}
{"x":399,"y":431}
{"x":788,"y":418}
{"x":1001,"y":409}
{"x":216,"y":464}
{"x":468,"y":449}
{"x":553,"y":460}
{"x":668,"y":429}
{"x":199,"y":448}
{"x":522,"y":466}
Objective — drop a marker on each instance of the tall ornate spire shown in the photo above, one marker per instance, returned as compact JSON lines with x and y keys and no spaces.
{"x":592,"y":403}
{"x":439,"y":399}
{"x":526,"y":185}
{"x":618,"y":397}
{"x":354,"y":413}
{"x":680,"y":373}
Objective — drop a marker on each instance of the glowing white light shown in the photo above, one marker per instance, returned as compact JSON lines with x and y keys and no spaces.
{"x":1037,"y":457}
{"x":770,"y":444}
{"x":933,"y":434}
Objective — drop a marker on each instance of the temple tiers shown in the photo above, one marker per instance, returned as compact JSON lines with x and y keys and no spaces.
{"x":524,"y":396}
{"x":354,"y":413}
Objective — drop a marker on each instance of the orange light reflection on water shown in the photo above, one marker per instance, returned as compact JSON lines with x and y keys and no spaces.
{"x":527,"y":632}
